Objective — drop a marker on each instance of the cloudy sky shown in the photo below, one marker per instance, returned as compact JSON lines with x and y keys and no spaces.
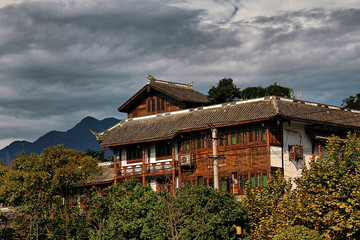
{"x":63,"y":60}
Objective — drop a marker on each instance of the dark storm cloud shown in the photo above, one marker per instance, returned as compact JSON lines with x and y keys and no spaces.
{"x":316,"y":49}
{"x":63,"y":60}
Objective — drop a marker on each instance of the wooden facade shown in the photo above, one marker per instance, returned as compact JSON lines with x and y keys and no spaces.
{"x":243,"y":150}
{"x":156,"y":103}
{"x":160,"y":96}
{"x":166,"y":148}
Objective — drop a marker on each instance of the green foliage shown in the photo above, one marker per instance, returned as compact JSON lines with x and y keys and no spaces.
{"x":120,"y":211}
{"x":270,"y":207}
{"x":298,"y":233}
{"x":225,"y":91}
{"x":196,"y":213}
{"x":99,"y":155}
{"x":327,"y":197}
{"x":352,"y":102}
{"x":42,"y":188}
{"x":272,"y":90}
{"x":6,"y":232}
{"x":252,"y":92}
{"x":329,"y":191}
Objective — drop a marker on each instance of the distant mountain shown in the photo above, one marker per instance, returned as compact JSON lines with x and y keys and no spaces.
{"x":79,"y":137}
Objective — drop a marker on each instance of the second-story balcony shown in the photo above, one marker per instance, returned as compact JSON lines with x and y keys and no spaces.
{"x":151,"y":168}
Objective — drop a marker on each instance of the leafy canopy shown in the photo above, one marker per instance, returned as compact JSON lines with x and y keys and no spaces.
{"x":226,"y":91}
{"x":352,"y":102}
{"x":326,"y":198}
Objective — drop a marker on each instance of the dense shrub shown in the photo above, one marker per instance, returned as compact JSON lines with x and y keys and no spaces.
{"x":298,"y":233}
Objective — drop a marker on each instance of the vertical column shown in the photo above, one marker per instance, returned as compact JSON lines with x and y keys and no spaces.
{"x":143,"y":165}
{"x":215,"y":157}
{"x":173,"y":169}
{"x":115,"y":152}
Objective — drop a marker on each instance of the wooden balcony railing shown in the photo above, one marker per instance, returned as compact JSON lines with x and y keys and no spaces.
{"x":149,"y":168}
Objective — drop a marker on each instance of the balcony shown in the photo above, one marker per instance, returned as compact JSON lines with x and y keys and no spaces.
{"x":151,"y":168}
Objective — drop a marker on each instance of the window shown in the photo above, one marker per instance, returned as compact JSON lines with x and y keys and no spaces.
{"x":187,"y":145}
{"x":239,"y":137}
{"x":252,"y":181}
{"x":233,"y":137}
{"x":198,"y":142}
{"x":226,"y":136}
{"x":264,"y":180}
{"x":244,"y":133}
{"x":251,"y":135}
{"x":258,"y":179}
{"x":133,"y":152}
{"x":192,"y":141}
{"x":256,"y":132}
{"x":163,"y":149}
{"x":263,"y":135}
{"x":211,"y":182}
{"x":158,"y":104}
{"x":149,"y":105}
{"x":153,"y":105}
{"x":162,"y":103}
{"x":243,"y":181}
{"x":223,"y":184}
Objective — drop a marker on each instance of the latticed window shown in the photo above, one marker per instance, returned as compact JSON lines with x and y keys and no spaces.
{"x":163,"y":149}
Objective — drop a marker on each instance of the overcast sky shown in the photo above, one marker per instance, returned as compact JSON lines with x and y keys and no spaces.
{"x":61,"y":61}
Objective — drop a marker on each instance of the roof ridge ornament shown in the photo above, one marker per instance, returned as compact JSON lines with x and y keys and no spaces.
{"x":154,"y":80}
{"x":151,"y":78}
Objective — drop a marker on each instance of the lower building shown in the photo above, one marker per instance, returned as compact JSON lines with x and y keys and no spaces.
{"x":252,"y":138}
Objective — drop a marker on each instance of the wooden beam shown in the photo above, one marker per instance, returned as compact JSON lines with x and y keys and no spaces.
{"x":143,"y":165}
{"x":173,"y":168}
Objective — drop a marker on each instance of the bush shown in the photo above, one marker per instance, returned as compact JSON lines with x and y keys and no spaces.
{"x":298,"y":233}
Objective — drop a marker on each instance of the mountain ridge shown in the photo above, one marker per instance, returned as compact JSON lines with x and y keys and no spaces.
{"x":78,"y":137}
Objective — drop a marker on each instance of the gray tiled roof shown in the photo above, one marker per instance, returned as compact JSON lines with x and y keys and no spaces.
{"x":181,"y":93}
{"x":106,"y":174}
{"x":166,"y":126}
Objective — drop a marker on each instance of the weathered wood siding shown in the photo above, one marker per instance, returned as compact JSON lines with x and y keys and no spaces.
{"x":156,"y":103}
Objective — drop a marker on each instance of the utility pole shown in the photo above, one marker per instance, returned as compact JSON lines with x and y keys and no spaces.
{"x":215,"y":157}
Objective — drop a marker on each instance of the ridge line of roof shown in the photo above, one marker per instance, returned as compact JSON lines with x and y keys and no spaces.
{"x":188,"y":85}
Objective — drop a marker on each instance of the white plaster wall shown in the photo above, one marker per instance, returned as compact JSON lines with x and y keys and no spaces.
{"x":294,"y":134}
{"x":276,"y":156}
{"x":152,"y":153}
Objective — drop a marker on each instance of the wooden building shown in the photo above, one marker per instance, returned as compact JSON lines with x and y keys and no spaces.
{"x":166,"y":141}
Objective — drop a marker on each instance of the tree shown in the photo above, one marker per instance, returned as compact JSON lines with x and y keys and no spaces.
{"x":277,"y":90}
{"x":298,"y":233}
{"x":225,"y":91}
{"x":99,"y":155}
{"x":196,"y":213}
{"x":43,"y":185}
{"x":129,"y":210}
{"x":271,"y":90}
{"x":271,"y":208}
{"x":352,"y":102}
{"x":328,"y":193}
{"x":326,"y":198}
{"x":252,"y":92}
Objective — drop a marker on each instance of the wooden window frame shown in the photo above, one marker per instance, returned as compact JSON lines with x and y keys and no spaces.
{"x":134,"y":154}
{"x":163,"y":150}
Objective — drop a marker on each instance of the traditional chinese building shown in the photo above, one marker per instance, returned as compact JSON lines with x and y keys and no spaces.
{"x":167,"y":140}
